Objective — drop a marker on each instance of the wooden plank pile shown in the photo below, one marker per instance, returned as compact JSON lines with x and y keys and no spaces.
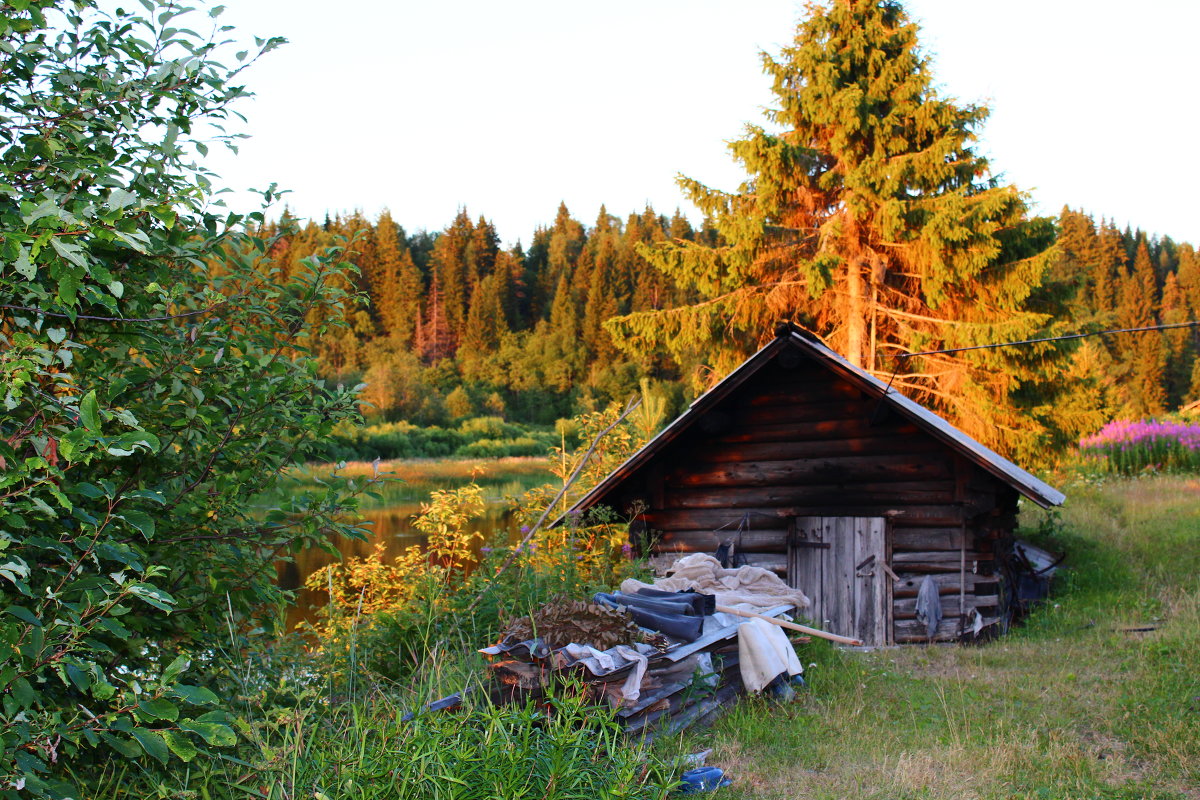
{"x":683,"y":683}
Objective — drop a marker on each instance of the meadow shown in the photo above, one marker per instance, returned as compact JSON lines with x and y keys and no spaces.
{"x":1096,"y":695}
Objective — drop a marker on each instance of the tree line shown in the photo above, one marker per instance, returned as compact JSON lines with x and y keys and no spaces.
{"x":453,"y":325}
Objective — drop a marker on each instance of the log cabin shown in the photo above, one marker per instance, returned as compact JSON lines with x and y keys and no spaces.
{"x":802,"y":463}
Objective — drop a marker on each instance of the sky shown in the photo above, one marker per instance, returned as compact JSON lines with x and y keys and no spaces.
{"x":508,"y":109}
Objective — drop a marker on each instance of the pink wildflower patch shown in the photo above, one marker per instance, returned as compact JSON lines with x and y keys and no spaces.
{"x":1137,"y":445}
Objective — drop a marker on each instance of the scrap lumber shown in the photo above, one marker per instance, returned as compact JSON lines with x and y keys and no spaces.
{"x":674,"y":692}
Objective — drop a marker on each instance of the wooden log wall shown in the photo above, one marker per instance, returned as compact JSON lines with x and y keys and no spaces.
{"x":801,"y":441}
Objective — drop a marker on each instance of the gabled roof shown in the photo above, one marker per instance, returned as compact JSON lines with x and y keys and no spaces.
{"x":789,"y":336}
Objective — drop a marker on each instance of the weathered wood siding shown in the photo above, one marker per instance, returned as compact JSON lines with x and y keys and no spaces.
{"x":798,"y":441}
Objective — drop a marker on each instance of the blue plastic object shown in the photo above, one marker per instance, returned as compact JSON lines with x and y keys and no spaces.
{"x":702,"y":779}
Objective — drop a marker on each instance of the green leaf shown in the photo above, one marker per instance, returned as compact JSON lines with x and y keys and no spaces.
{"x":180,"y":745}
{"x":152,"y":743}
{"x":123,"y":746}
{"x":152,"y":596}
{"x":73,"y":443}
{"x":81,"y":679}
{"x":139,"y":520}
{"x":89,"y":412}
{"x":196,"y":695}
{"x":120,"y":198}
{"x":24,"y":614}
{"x":88,"y":490}
{"x":159,"y":709}
{"x":23,"y":693}
{"x":176,"y":668}
{"x":68,"y":250}
{"x":102,"y":689}
{"x":213,"y":733}
{"x":24,"y":267}
{"x":68,"y":288}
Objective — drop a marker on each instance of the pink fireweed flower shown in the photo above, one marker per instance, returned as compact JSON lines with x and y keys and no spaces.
{"x":1134,"y":445}
{"x":1123,"y":432}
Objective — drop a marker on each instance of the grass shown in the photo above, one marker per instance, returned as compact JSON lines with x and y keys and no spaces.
{"x":415,"y":470}
{"x":368,"y":749}
{"x":1069,"y":705}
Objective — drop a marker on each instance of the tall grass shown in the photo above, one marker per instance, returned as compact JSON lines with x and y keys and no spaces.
{"x":368,"y":749}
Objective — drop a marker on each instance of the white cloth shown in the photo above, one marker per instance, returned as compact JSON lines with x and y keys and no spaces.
{"x":756,"y":586}
{"x":764,"y":653}
{"x":603,"y":662}
{"x":929,"y":606}
{"x":631,"y":690}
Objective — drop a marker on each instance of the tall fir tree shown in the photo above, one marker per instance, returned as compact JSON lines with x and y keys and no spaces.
{"x":1181,"y":352}
{"x":450,"y":263}
{"x":1144,"y":359}
{"x":1108,"y":269}
{"x":872,"y":220}
{"x":486,"y":323}
{"x":434,"y":338}
{"x":1074,"y":259}
{"x":394,"y":282}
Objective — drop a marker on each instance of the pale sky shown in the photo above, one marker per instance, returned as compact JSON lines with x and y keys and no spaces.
{"x":509,"y":108}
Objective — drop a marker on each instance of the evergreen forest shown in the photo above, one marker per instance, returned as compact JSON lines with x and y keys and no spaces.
{"x":450,"y":325}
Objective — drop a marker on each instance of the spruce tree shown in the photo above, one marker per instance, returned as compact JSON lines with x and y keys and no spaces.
{"x":393,"y":281}
{"x":486,"y":324}
{"x":1181,"y":352}
{"x":1143,"y":355}
{"x":1074,"y":261}
{"x":1108,"y":268}
{"x":869,"y":218}
{"x":454,"y":273}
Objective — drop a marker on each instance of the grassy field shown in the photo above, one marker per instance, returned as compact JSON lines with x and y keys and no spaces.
{"x":1071,"y":705}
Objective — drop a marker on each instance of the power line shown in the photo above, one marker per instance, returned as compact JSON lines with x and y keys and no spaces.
{"x":1063,"y":338}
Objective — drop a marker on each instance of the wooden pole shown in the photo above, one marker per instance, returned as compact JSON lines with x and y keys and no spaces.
{"x":792,"y":626}
{"x":629,"y":409}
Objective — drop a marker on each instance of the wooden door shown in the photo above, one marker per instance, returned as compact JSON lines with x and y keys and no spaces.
{"x":838,"y":562}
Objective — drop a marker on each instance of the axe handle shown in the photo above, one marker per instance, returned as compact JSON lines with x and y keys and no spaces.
{"x":792,"y":626}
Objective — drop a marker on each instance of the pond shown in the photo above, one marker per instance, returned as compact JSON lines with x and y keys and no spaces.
{"x":389,"y":519}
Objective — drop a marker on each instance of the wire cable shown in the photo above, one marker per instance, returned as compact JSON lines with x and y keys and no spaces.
{"x":1063,"y":338}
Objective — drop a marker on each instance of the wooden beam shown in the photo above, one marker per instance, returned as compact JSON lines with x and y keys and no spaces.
{"x":824,"y":470}
{"x":917,"y":492}
{"x":827,"y":429}
{"x":709,"y":452}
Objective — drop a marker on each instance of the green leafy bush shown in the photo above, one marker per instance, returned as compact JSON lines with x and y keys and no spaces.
{"x":479,"y":437}
{"x":502,"y":448}
{"x":153,"y":382}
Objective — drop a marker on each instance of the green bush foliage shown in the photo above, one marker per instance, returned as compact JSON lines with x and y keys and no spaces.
{"x":153,"y":382}
{"x":477,"y":437}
